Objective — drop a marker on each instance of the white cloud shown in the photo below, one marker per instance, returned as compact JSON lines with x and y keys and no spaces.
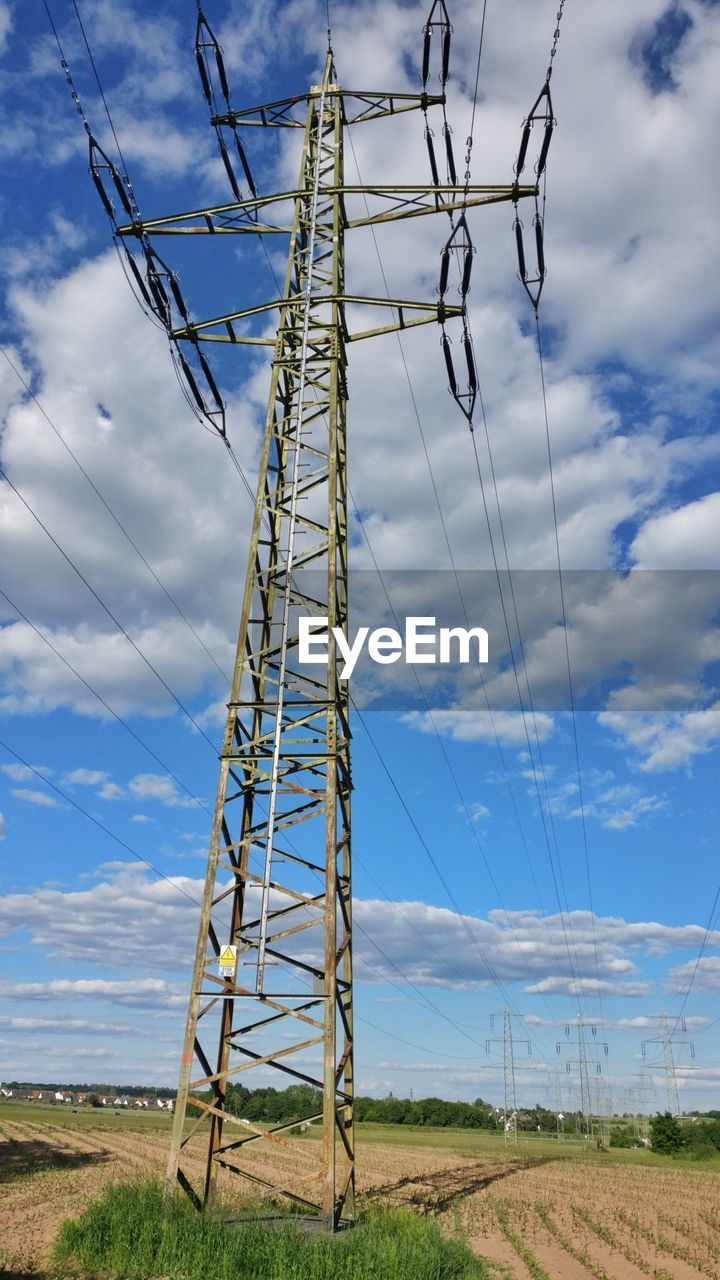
{"x":666,"y":741}
{"x":5,"y":23}
{"x":122,"y":919}
{"x":85,"y":777}
{"x":613,"y":465}
{"x":705,"y":978}
{"x":647,"y":1023}
{"x":141,"y":992}
{"x":621,"y":807}
{"x":41,"y":798}
{"x":110,"y":791}
{"x":21,"y":772}
{"x":587,"y":987}
{"x":465,"y":725}
{"x":681,"y":539}
{"x":154,"y":786}
{"x":66,"y":1026}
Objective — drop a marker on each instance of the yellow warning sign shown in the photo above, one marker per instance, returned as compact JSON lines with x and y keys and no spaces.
{"x":227,"y":962}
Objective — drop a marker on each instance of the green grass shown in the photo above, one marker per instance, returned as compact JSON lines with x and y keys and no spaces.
{"x":129,"y":1233}
{"x":131,"y":1118}
{"x":478,"y":1142}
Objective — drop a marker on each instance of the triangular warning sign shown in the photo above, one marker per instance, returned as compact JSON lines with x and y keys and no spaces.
{"x":227,"y":956}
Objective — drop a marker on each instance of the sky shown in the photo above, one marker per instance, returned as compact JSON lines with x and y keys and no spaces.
{"x":558,"y":865}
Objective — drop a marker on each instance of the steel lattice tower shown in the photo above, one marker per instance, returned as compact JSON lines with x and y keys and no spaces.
{"x":668,"y":1040}
{"x":271,"y":990}
{"x":509,"y":1097}
{"x":581,"y":1062}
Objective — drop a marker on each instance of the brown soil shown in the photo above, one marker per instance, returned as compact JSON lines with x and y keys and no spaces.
{"x":570,"y":1220}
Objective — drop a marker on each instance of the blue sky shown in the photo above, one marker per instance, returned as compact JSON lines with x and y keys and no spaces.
{"x":94,"y":945}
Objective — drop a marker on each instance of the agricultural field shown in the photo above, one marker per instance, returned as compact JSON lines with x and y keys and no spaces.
{"x":546,"y":1210}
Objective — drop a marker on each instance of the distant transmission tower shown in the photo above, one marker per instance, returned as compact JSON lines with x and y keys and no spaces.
{"x":643,"y":1096}
{"x":559,"y":1110}
{"x":272,"y":984}
{"x":667,"y":1039}
{"x":581,"y":1062}
{"x":603,"y":1111}
{"x":510,"y":1101}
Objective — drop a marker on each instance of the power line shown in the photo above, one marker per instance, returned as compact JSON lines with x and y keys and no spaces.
{"x":428,"y":1003}
{"x":567,"y":648}
{"x":99,"y":85}
{"x":468,"y":412}
{"x":455,"y":573}
{"x":78,"y":16}
{"x":94,"y":66}
{"x":696,"y":966}
{"x":485,"y":960}
{"x":108,"y":611}
{"x":144,"y":745}
{"x":467,"y":339}
{"x":104,"y":703}
{"x":450,"y":554}
{"x":113,"y":515}
{"x":449,"y":765}
{"x":68,"y":799}
{"x":95,"y":821}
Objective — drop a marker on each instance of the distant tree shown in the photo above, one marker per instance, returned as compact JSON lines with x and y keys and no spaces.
{"x":92,"y":1100}
{"x":622,"y":1136}
{"x":666,"y":1133}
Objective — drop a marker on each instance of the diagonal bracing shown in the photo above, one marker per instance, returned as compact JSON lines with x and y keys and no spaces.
{"x":271,"y":990}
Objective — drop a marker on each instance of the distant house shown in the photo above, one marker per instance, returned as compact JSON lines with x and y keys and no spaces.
{"x":165,"y":1104}
{"x":42,"y":1095}
{"x":140,"y":1102}
{"x":5,"y":1092}
{"x":62,"y":1096}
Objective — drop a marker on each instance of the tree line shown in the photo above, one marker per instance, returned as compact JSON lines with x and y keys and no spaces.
{"x":282,"y":1106}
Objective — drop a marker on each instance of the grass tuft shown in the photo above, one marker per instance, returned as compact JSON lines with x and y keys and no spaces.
{"x":130,"y":1233}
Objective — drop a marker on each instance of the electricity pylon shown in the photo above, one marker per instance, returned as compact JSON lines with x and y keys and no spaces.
{"x":642,"y":1097}
{"x":581,"y":1062}
{"x":559,"y":1112}
{"x":274,"y":949}
{"x":667,"y":1039}
{"x":603,"y":1108}
{"x":510,"y":1102}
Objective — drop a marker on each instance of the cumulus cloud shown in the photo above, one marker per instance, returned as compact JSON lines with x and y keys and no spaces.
{"x":85,"y":777}
{"x":466,"y":725}
{"x":706,"y":977}
{"x":587,"y":987}
{"x":41,"y":798}
{"x":66,"y":1026}
{"x":119,"y":920}
{"x":615,"y":463}
{"x":5,"y":23}
{"x":153,"y":992}
{"x":681,"y":539}
{"x":664,"y":742}
{"x":111,"y":791}
{"x":18,"y":772}
{"x":154,"y":786}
